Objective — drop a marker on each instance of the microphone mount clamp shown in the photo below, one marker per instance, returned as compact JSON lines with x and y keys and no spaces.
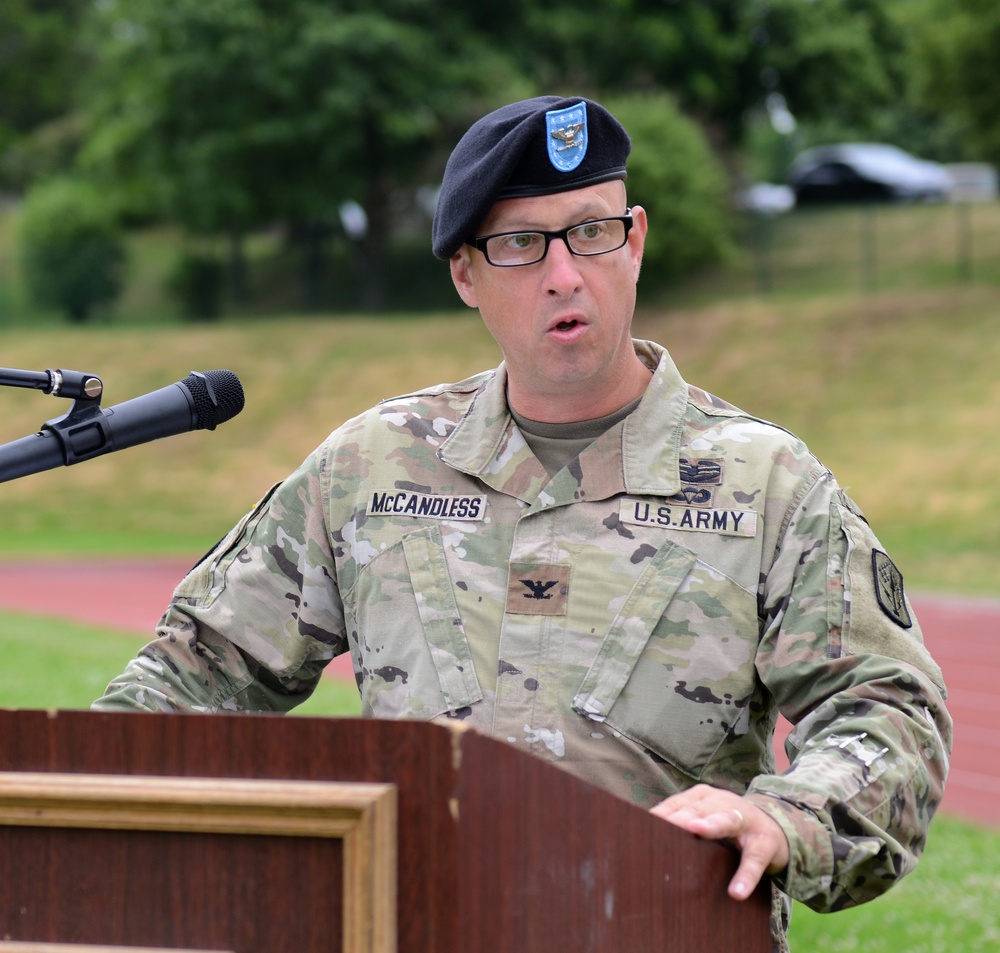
{"x":74,"y":385}
{"x":82,"y":432}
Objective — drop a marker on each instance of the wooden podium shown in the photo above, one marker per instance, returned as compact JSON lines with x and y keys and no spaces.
{"x":267,"y":834}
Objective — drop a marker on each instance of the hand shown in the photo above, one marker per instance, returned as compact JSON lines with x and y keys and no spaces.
{"x":721,"y":815}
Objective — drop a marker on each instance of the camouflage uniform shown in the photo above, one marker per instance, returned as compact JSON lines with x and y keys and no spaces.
{"x":638,"y":619}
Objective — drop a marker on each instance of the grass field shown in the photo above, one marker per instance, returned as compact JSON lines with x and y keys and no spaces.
{"x":50,"y":663}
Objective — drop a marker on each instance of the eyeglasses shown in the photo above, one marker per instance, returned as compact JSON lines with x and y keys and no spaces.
{"x":510,"y":249}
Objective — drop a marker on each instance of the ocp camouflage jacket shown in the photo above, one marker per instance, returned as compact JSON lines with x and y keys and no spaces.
{"x":639,"y":619}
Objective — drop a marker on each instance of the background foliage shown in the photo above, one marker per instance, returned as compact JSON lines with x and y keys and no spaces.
{"x":72,"y":252}
{"x":674,"y":175}
{"x":232,"y":119}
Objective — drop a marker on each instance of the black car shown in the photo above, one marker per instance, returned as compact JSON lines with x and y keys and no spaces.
{"x":866,"y":172}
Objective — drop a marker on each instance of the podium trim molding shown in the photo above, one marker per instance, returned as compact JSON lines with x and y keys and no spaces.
{"x":362,"y":815}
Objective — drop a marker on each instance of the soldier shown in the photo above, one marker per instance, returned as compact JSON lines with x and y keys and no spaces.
{"x":582,"y":554}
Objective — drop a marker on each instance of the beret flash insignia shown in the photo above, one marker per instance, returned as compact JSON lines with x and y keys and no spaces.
{"x":567,"y":139}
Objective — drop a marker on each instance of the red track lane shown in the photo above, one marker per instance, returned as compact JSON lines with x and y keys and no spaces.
{"x":963,"y":635}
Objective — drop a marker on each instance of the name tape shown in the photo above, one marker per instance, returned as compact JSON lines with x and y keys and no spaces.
{"x":426,"y":505}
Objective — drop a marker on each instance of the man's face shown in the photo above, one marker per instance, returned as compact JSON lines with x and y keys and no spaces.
{"x":563,"y":323}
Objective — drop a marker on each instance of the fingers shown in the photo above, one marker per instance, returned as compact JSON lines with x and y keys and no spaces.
{"x":704,"y":818}
{"x":721,"y":815}
{"x":755,"y":858}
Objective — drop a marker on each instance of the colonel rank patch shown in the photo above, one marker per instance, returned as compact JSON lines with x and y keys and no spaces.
{"x":889,"y":589}
{"x":537,"y":589}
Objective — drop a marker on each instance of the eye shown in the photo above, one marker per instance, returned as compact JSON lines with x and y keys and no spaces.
{"x":590,"y":230}
{"x":522,"y":240}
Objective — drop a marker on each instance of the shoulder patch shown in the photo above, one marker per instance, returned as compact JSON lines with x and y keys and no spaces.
{"x":889,"y":589}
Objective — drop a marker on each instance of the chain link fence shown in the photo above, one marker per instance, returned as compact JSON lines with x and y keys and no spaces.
{"x":864,"y":248}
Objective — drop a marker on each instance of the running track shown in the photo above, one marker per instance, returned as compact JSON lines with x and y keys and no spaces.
{"x":963,"y":635}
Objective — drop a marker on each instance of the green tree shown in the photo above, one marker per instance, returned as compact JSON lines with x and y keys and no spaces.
{"x":721,"y":59}
{"x":230,"y":115}
{"x":71,"y":249}
{"x":676,"y":178}
{"x":233,"y":114}
{"x":904,"y":117}
{"x":40,"y":64}
{"x":957,"y":50}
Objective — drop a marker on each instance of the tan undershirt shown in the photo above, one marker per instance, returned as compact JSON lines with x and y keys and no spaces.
{"x":556,"y":444}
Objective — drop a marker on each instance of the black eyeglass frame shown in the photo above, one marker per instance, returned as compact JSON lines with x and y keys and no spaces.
{"x":563,"y":233}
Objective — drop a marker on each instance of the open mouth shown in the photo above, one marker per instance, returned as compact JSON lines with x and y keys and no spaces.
{"x":566,"y":325}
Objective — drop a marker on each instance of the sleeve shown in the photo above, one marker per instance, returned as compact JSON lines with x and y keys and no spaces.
{"x":253,"y":625}
{"x":843,"y":656}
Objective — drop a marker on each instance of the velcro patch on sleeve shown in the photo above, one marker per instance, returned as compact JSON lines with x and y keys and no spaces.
{"x":889,"y":589}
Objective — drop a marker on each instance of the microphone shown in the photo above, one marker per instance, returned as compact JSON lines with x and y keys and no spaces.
{"x":201,"y":401}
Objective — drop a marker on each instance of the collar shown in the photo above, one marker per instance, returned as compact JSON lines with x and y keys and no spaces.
{"x":640,"y":455}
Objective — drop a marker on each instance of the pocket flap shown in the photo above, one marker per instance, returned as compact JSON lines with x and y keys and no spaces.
{"x":631,"y":629}
{"x":439,"y":616}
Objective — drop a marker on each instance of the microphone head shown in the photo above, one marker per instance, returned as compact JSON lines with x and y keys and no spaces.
{"x":217,"y":395}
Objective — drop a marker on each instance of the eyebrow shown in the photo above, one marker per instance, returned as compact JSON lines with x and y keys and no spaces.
{"x":580,"y":216}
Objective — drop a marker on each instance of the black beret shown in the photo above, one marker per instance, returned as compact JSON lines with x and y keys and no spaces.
{"x":533,"y":147}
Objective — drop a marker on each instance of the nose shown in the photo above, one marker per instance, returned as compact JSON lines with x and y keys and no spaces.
{"x":562,"y":276}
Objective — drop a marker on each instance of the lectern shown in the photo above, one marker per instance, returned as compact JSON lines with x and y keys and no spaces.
{"x":269,"y":834}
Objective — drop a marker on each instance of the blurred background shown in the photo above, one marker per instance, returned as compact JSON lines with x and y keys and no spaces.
{"x":236,"y":157}
{"x":249,"y":184}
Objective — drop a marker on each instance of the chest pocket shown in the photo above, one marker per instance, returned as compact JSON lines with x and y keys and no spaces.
{"x":413,"y":653}
{"x":675,"y":671}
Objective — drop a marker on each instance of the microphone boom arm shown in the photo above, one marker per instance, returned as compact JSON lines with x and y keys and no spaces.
{"x":199,"y":402}
{"x":59,"y":383}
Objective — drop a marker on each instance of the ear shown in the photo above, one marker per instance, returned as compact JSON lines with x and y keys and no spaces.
{"x":637,"y":236}
{"x":461,"y":276}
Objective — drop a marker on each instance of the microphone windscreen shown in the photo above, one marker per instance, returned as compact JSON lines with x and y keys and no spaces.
{"x":217,"y":395}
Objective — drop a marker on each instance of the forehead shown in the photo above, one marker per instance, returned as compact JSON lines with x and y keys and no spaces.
{"x":556,"y":210}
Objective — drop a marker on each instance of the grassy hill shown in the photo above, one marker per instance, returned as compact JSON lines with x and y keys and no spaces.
{"x":872,"y":333}
{"x":895,"y":391}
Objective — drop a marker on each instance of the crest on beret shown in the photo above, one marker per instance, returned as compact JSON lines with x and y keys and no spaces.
{"x":567,"y":136}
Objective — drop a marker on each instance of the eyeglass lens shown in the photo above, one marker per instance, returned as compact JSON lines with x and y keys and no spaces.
{"x":525,"y":248}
